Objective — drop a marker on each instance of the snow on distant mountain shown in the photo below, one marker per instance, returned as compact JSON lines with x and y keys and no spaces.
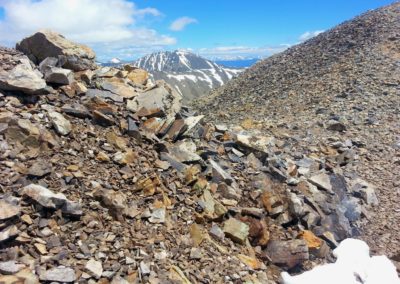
{"x":189,"y":74}
{"x":115,"y":61}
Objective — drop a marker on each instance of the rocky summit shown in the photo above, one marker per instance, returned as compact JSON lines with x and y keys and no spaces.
{"x":334,"y":98}
{"x":107,"y":178}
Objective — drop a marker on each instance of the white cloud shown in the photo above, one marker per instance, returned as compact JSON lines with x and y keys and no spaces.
{"x":108,"y":26}
{"x":309,"y":34}
{"x":180,"y":23}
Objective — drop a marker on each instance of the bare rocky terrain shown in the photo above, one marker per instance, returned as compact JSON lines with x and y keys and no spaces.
{"x":340,"y":87}
{"x":106,"y":178}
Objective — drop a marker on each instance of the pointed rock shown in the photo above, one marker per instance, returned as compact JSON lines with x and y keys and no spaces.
{"x":60,"y":123}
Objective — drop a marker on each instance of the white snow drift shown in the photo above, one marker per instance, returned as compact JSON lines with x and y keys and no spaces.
{"x":353,"y":266}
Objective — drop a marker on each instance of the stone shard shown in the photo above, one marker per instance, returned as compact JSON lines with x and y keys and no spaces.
{"x":60,"y":123}
{"x":236,"y":230}
{"x":287,"y":254}
{"x":8,"y":210}
{"x":59,"y":274}
{"x":184,"y":151}
{"x":119,"y":87}
{"x":10,"y":267}
{"x":365,"y":191}
{"x":49,"y":199}
{"x":20,"y":75}
{"x":59,"y":76}
{"x":219,"y":174}
{"x":8,"y":233}
{"x":94,"y":268}
{"x":137,"y":75}
{"x":47,"y":43}
{"x":322,"y":180}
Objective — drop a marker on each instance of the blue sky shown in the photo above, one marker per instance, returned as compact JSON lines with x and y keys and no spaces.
{"x":214,"y":28}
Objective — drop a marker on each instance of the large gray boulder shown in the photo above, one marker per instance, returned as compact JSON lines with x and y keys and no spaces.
{"x":45,"y":43}
{"x":160,"y":101}
{"x":17,"y":73}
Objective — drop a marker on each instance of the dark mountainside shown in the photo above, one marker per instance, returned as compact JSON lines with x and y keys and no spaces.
{"x":190,"y":75}
{"x":336,"y":96}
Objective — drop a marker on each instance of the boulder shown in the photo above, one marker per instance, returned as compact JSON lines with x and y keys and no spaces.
{"x":161,"y":101}
{"x":47,"y":43}
{"x":18,"y":74}
{"x":59,"y":76}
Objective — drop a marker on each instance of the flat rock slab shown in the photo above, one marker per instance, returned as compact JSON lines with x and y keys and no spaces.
{"x":236,"y":230}
{"x":10,"y":267}
{"x":8,"y":210}
{"x":287,"y":254}
{"x":59,"y":274}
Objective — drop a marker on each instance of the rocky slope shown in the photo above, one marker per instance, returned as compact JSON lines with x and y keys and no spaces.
{"x":190,"y":75}
{"x":105,"y":178}
{"x":339,"y":87}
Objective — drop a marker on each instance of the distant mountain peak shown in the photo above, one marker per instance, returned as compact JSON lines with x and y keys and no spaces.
{"x":174,"y":61}
{"x":190,"y":74}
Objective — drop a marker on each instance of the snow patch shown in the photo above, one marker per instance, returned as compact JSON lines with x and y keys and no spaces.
{"x":183,"y":77}
{"x":353,"y":266}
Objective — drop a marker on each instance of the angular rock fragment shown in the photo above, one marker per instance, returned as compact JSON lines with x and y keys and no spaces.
{"x":59,"y":274}
{"x":219,"y":174}
{"x":119,"y":87}
{"x":76,"y":110}
{"x":115,"y":201}
{"x":94,"y":268}
{"x":20,"y":75}
{"x":322,"y":180}
{"x":184,"y":151}
{"x":102,"y":119}
{"x":8,"y":233}
{"x":133,"y":130}
{"x":160,"y":101}
{"x":46,"y":43}
{"x":59,"y":76}
{"x":158,"y":216}
{"x":366,"y":191}
{"x":60,"y":123}
{"x":287,"y":254}
{"x":96,"y":93}
{"x":236,"y":230}
{"x":10,"y":267}
{"x":8,"y":210}
{"x":137,"y":75}
{"x":48,"y":199}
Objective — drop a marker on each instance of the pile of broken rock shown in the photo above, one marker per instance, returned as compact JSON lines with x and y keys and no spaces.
{"x":106,"y":178}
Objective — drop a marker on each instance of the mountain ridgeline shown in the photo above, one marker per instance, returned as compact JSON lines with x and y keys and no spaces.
{"x":189,"y":74}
